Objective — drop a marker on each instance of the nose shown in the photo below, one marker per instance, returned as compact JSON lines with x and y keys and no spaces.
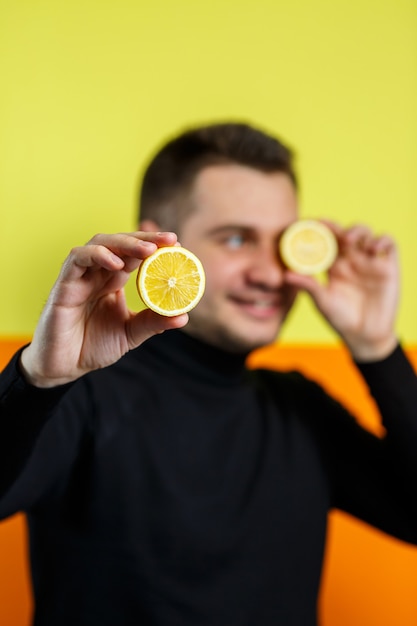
{"x":266,"y":269}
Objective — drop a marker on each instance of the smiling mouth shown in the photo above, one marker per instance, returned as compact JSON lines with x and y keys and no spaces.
{"x":258,"y":307}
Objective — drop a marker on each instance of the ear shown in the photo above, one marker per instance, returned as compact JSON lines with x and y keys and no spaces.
{"x":149,"y":226}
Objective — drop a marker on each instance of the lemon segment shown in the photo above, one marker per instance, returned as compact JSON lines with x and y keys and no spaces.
{"x":308,"y":247}
{"x":171,"y":281}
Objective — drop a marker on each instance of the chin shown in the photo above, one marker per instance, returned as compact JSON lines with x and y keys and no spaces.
{"x":243,"y":336}
{"x":258,"y":337}
{"x":247,"y":342}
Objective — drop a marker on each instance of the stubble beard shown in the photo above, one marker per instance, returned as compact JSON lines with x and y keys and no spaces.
{"x":226,"y":339}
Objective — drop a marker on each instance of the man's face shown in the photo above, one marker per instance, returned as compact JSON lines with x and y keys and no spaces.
{"x":239,"y":214}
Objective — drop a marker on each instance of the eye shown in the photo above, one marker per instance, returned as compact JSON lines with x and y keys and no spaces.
{"x":235,"y":241}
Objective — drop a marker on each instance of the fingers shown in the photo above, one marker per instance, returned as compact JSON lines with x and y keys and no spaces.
{"x":115,"y":252}
{"x":133,"y":246}
{"x":362,"y":249}
{"x":303,"y":282}
{"x":361,"y":238}
{"x":130,"y":243}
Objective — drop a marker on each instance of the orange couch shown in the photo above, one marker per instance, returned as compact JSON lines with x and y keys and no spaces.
{"x":369,"y":579}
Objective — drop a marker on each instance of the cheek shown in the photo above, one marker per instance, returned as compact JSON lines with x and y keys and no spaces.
{"x":221,"y":275}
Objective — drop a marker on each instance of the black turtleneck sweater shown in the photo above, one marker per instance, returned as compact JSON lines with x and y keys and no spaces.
{"x":176,"y":488}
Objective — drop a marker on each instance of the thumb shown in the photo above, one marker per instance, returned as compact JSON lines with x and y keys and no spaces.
{"x":306,"y":283}
{"x":147,"y":323}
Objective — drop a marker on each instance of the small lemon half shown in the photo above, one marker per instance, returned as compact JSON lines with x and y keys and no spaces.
{"x":171,"y":281}
{"x":308,"y":247}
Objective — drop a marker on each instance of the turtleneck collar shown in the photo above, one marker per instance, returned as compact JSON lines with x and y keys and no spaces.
{"x":178,"y":350}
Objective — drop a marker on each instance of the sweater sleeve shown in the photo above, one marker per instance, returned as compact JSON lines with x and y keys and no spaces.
{"x":393,"y":385}
{"x":372,"y":478}
{"x":25,"y":412}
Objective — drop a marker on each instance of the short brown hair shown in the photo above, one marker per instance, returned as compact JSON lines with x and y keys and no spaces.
{"x":169,"y":176}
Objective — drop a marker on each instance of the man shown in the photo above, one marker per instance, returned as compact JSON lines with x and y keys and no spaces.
{"x":164,"y":483}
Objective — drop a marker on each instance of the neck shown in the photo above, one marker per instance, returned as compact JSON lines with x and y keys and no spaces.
{"x":182,"y":352}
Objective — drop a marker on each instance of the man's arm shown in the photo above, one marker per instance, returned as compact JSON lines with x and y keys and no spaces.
{"x":85,"y":325}
{"x":374,"y":478}
{"x":24,"y":412}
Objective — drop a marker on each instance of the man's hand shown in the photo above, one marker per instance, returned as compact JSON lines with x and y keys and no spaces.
{"x":360,"y":298}
{"x":85,"y":324}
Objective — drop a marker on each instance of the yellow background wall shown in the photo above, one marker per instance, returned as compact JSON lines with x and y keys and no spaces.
{"x":89,"y":88}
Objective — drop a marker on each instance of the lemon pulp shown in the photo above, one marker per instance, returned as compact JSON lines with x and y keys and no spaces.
{"x":171,"y":281}
{"x":308,"y":247}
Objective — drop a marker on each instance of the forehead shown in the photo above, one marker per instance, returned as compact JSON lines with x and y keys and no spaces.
{"x":238,"y":194}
